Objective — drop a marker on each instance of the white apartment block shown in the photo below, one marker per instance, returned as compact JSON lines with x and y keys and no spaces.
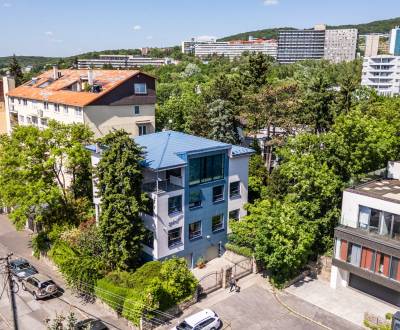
{"x":102,"y":99}
{"x":122,"y":61}
{"x":233,"y":49}
{"x":340,"y":45}
{"x":382,"y":73}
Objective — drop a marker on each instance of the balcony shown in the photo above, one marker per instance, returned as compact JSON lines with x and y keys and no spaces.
{"x":163,"y":186}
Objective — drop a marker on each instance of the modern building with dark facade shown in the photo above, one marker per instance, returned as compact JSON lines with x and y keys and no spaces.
{"x":367,"y":241}
{"x":297,"y":45}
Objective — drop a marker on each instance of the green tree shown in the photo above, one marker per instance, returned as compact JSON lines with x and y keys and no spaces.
{"x":16,"y":71}
{"x":255,"y":70}
{"x":223,"y":122}
{"x":119,"y":176}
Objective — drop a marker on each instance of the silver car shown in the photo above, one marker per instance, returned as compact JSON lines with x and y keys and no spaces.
{"x":39,"y":286}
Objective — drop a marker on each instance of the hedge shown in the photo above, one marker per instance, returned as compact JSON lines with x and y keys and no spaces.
{"x":244,"y":251}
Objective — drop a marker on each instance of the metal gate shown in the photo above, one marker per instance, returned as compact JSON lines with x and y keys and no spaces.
{"x":211,"y":282}
{"x":242,"y":268}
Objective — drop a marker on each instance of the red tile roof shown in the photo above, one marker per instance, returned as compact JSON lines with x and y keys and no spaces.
{"x":56,"y":91}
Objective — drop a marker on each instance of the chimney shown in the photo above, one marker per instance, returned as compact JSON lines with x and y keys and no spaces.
{"x":55,"y":72}
{"x":90,"y":77}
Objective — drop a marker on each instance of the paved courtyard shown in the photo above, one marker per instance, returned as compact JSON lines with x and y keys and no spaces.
{"x":347,"y":303}
{"x":256,"y":308}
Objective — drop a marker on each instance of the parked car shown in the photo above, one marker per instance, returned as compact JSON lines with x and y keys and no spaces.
{"x":21,"y":268}
{"x":40,"y":286}
{"x":90,"y":324}
{"x":204,"y":320}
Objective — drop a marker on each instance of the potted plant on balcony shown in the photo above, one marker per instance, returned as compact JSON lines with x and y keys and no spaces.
{"x":201,"y":262}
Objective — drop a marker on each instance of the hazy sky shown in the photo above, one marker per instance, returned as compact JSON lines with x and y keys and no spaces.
{"x":61,"y":28}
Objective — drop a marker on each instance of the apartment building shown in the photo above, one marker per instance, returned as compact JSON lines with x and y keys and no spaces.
{"x":103,"y":99}
{"x":318,"y":43}
{"x":188,"y":46}
{"x":122,"y":62}
{"x":394,"y":48}
{"x":367,"y":241}
{"x":233,"y":49}
{"x":382,"y":73}
{"x":298,"y":45}
{"x":371,"y":45}
{"x":340,"y":45}
{"x":197,"y":187}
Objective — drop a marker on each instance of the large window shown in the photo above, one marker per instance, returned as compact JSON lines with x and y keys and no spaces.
{"x":148,"y":238}
{"x":234,"y":189}
{"x":195,"y":199}
{"x":174,"y":237}
{"x":142,"y":129}
{"x":218,"y":194}
{"x":217,"y":222}
{"x":354,"y":254}
{"x":206,"y":169}
{"x":234,"y":214}
{"x":195,"y":230}
{"x":175,"y":204}
{"x":379,"y":222}
{"x":140,"y":88}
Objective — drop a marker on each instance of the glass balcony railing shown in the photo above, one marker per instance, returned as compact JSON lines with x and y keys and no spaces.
{"x":161,"y":186}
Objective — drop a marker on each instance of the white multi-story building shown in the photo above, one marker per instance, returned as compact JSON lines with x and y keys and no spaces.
{"x":382,"y":73}
{"x":122,"y":61}
{"x":394,"y":47}
{"x":197,"y":186}
{"x":188,"y":46}
{"x":103,"y":99}
{"x":340,"y":45}
{"x":367,"y":241}
{"x":233,"y":49}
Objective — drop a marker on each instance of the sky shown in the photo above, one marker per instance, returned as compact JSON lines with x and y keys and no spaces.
{"x":69,"y":27}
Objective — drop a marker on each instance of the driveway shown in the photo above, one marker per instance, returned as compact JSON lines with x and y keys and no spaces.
{"x":31,"y":313}
{"x":256,"y":308}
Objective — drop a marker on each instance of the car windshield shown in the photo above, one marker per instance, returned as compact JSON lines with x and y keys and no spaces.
{"x":23,"y":266}
{"x":184,"y":326}
{"x":47,"y":283}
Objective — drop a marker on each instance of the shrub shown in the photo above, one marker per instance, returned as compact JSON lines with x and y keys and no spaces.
{"x":113,"y":295}
{"x":40,"y":244}
{"x":242,"y":250}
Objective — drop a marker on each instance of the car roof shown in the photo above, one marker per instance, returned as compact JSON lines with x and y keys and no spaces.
{"x":19,"y":261}
{"x":41,"y":277}
{"x":198,"y":317}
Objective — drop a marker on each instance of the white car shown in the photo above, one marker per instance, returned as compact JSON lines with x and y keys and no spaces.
{"x":204,"y":320}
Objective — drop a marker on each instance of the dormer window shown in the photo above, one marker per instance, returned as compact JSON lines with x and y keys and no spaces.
{"x":25,"y":102}
{"x":56,"y":107}
{"x":140,"y":88}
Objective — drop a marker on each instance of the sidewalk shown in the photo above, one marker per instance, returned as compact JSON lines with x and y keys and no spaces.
{"x":346,"y":303}
{"x":18,"y":242}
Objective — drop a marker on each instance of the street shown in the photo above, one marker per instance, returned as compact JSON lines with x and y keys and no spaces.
{"x":32,"y":314}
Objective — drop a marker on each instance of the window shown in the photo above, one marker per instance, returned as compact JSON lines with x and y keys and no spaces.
{"x":43,"y":121}
{"x":234,"y":189}
{"x":354,"y":254}
{"x":56,"y":107}
{"x":78,"y":111}
{"x":45,"y":105}
{"x":12,"y":99}
{"x":175,"y":204}
{"x":140,"y":88}
{"x":206,"y":169}
{"x":194,"y":199}
{"x":142,"y":129}
{"x":234,"y":214}
{"x":148,"y":238}
{"x":34,"y":120}
{"x":174,"y":237}
{"x":19,"y":101}
{"x":218,"y":194}
{"x":394,"y":269}
{"x":65,"y":107}
{"x":136,"y":109}
{"x":25,"y":102}
{"x":21,"y":119}
{"x":195,"y":230}
{"x":217,"y":222}
{"x":29,"y":120}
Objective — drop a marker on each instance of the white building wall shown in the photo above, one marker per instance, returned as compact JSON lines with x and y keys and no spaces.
{"x":239,"y":171}
{"x":371,"y":45}
{"x":340,"y":45}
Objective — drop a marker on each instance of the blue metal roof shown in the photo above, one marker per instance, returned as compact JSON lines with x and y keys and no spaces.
{"x":168,"y":149}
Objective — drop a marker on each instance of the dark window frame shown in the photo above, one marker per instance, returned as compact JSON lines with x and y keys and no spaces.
{"x":174,"y":208}
{"x":236,"y":192}
{"x":206,"y":169}
{"x":192,"y":235}
{"x":175,"y":241}
{"x":219,"y":197}
{"x":214,"y":228}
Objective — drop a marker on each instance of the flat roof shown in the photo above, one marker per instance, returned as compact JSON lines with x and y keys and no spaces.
{"x":386,"y":189}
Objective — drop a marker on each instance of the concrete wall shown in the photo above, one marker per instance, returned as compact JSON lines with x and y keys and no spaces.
{"x":239,"y":171}
{"x":352,"y":201}
{"x":3,"y":121}
{"x":103,"y":119}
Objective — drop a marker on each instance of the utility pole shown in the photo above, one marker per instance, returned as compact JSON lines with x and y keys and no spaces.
{"x":11,"y":290}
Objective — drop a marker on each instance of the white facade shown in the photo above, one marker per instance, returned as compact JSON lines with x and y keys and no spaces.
{"x":236,"y":49}
{"x":340,"y":45}
{"x":122,"y":61}
{"x":382,"y":73}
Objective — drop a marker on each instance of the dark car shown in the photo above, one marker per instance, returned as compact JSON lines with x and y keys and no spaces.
{"x":21,"y":268}
{"x":90,"y":324}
